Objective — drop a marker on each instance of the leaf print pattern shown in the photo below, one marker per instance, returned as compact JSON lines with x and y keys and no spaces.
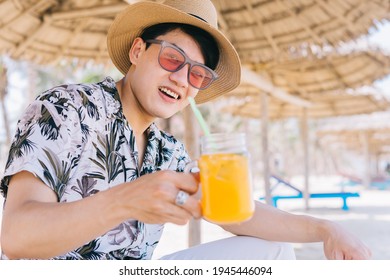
{"x":76,"y":139}
{"x":85,"y":186}
{"x":130,"y":228}
{"x":57,"y":173}
{"x":89,"y":251}
{"x":90,"y":106}
{"x":108,"y":155}
{"x":48,"y":125}
{"x":53,"y":112}
{"x":21,"y":146}
{"x":85,"y":128}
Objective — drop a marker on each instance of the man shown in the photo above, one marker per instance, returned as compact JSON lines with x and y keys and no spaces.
{"x":90,"y":176}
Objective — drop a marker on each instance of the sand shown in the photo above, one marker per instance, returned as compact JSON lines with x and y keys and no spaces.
{"x":368,"y":218}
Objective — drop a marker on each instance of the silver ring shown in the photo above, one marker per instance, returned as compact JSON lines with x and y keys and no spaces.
{"x":181,"y":198}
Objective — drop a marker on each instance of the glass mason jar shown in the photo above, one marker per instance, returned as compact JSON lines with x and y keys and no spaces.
{"x":225,"y":177}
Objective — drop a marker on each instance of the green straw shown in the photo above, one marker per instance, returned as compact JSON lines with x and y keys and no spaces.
{"x":199,"y":116}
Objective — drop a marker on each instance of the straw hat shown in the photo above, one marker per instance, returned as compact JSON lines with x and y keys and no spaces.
{"x":130,"y":23}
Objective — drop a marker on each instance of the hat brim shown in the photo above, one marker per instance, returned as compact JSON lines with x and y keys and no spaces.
{"x":130,"y":23}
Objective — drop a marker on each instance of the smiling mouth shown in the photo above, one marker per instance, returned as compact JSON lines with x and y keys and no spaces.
{"x":169,"y":93}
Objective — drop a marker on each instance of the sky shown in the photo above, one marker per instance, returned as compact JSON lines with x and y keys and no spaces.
{"x":382,"y":37}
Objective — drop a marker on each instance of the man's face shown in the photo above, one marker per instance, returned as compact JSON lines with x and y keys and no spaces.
{"x":160,"y":93}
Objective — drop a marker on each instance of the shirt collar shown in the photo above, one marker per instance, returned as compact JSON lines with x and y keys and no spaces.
{"x":113,"y":104}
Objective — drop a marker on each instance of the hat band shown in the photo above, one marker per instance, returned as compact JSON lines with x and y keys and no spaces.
{"x":198,"y":17}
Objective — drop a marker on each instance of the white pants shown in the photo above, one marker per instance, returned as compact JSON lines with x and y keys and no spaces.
{"x":236,"y":248}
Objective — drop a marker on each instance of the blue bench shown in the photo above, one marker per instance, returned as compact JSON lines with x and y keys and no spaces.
{"x":343,"y":195}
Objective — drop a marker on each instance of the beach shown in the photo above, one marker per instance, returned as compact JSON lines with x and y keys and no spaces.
{"x":368,"y":218}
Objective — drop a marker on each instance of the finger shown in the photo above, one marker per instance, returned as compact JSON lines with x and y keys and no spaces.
{"x":338,"y":255}
{"x":192,"y":205}
{"x":198,"y":193}
{"x":183,"y":181}
{"x":196,"y":175}
{"x":165,"y":210}
{"x":169,"y":208}
{"x":360,"y":254}
{"x":189,"y":203}
{"x":177,"y":215}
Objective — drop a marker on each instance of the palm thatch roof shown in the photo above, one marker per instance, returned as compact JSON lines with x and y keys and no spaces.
{"x":322,"y":106}
{"x":324,"y":82}
{"x":266,"y":30}
{"x":266,"y":33}
{"x":355,"y":133}
{"x":45,"y":31}
{"x":261,"y":30}
{"x":377,"y":141}
{"x":334,"y":72}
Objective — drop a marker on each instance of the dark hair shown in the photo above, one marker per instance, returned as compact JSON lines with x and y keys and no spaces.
{"x":207,"y":43}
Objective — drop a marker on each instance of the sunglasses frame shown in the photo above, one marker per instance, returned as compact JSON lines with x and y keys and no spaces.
{"x":187,"y":60}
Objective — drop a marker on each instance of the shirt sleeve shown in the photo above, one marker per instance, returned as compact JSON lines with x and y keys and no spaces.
{"x":47,"y":142}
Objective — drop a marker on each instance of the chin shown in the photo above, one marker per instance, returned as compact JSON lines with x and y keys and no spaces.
{"x":166,"y":116}
{"x":160,"y":114}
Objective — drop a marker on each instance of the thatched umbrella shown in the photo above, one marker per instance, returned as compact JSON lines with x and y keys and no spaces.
{"x":378,"y":141}
{"x":326,"y":105}
{"x":333,"y":72}
{"x":273,"y":30}
{"x":368,"y":135}
{"x":47,"y":31}
{"x":322,"y":106}
{"x":276,"y":31}
{"x":316,"y":80}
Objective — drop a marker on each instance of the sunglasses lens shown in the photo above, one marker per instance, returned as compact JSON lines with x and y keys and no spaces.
{"x":172,"y":60}
{"x":200,"y":77}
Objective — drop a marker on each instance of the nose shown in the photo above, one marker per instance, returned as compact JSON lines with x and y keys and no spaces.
{"x":180,"y":77}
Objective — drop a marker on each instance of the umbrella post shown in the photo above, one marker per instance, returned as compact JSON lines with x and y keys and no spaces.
{"x":3,"y":93}
{"x":264,"y":138}
{"x":305,"y":143}
{"x":191,"y":139}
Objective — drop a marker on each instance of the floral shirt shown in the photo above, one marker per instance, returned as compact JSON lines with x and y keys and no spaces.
{"x":76,"y":139}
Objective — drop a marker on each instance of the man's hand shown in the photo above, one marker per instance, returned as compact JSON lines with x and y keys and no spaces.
{"x":343,"y":245}
{"x":151,"y":198}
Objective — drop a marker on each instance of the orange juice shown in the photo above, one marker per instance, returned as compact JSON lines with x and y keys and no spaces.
{"x":226,"y":187}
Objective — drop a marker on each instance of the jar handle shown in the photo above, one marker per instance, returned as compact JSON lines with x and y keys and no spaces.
{"x":191,"y":167}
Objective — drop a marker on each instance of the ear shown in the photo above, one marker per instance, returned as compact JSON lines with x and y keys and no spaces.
{"x":137,"y":48}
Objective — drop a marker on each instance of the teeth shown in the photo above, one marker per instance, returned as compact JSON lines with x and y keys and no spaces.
{"x":168,"y":92}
